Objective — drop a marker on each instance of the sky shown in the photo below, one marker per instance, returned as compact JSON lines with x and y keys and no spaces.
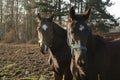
{"x":115,"y":9}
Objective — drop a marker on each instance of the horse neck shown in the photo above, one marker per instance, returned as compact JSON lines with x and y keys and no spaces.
{"x":90,"y":44}
{"x":59,"y":39}
{"x":95,"y":44}
{"x":59,"y":31}
{"x":60,"y":49}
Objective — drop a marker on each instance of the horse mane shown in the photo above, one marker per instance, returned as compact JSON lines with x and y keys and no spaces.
{"x":100,"y":41}
{"x":95,"y":43}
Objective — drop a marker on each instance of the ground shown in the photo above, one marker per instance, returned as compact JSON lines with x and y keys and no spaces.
{"x":26,"y":62}
{"x":23,"y":62}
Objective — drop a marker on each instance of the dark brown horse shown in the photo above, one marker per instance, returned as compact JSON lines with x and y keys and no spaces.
{"x":54,"y":38}
{"x":78,"y":33}
{"x":97,"y":57}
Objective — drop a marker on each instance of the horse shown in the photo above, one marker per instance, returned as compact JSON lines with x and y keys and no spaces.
{"x":78,"y":32}
{"x":53,"y":38}
{"x":98,"y":57}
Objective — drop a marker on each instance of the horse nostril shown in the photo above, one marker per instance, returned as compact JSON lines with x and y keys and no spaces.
{"x":73,"y":41}
{"x":82,"y":61}
{"x":72,"y":32}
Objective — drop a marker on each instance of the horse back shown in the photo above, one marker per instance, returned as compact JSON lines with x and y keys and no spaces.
{"x":111,"y":60}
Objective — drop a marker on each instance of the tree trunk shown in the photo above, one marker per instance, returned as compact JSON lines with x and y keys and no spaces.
{"x":16,"y":22}
{"x":81,"y":7}
{"x":1,"y":4}
{"x":59,"y":11}
{"x":12,"y":13}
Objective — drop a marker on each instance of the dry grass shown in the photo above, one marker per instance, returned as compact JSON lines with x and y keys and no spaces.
{"x":23,"y":62}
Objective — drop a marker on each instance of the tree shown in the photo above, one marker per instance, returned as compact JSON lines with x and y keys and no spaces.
{"x":30,"y":27}
{"x":48,"y":7}
{"x":1,"y":5}
{"x":1,"y":29}
{"x":18,"y":19}
{"x":78,"y":4}
{"x":100,"y":17}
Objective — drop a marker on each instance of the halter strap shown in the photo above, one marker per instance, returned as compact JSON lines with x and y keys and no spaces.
{"x":76,"y":46}
{"x":44,"y":42}
{"x":79,"y":47}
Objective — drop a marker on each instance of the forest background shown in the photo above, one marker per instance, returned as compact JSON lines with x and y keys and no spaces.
{"x":18,"y":17}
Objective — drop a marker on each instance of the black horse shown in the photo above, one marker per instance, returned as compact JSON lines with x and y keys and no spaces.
{"x":84,"y":46}
{"x":53,"y":38}
{"x":78,"y":33}
{"x":98,"y":57}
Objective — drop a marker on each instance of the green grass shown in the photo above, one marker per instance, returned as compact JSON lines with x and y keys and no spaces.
{"x":9,"y":66}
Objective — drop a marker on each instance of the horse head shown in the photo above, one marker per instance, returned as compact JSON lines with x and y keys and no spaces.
{"x":54,"y":37}
{"x":45,"y":32}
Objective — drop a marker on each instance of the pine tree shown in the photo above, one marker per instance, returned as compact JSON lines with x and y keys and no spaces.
{"x":48,"y":7}
{"x":1,"y":12}
{"x":100,"y":16}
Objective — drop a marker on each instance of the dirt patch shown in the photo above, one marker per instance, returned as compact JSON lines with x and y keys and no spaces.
{"x":18,"y":62}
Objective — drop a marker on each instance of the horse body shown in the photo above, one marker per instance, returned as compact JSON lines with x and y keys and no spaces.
{"x":111,"y":58}
{"x":104,"y":59}
{"x":55,"y":37}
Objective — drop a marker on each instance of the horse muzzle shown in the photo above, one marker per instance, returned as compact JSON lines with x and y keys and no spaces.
{"x":43,"y":47}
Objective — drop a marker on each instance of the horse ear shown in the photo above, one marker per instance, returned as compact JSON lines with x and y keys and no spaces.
{"x":51,"y":18}
{"x":87,"y":13}
{"x":72,"y":13}
{"x":39,"y":17}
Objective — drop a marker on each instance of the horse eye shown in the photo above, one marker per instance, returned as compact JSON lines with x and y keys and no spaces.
{"x":73,"y":25}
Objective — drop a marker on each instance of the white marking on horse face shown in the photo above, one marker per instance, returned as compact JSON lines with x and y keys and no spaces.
{"x":81,"y":28}
{"x":44,"y":27}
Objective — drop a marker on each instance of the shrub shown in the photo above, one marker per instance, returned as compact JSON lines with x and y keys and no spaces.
{"x":9,"y":37}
